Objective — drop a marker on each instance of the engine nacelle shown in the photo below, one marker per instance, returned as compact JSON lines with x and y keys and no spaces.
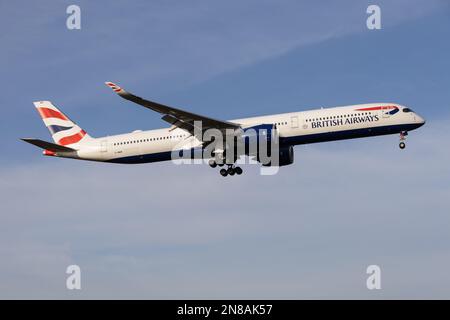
{"x":261,"y":141}
{"x":285,"y":157}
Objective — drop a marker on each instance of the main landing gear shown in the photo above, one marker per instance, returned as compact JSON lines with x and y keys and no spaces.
{"x":231,"y":170}
{"x":403,"y":135}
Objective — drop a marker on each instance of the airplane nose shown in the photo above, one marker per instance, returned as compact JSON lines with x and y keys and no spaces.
{"x":420,"y":120}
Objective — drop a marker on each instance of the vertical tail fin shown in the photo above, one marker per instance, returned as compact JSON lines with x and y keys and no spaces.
{"x":64,"y":132}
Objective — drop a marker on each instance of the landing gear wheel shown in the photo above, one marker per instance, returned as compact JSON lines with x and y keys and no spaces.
{"x":238,"y":170}
{"x":231,"y":171}
{"x":220,"y":164}
{"x":212,"y":163}
{"x":223,"y":172}
{"x":403,"y":135}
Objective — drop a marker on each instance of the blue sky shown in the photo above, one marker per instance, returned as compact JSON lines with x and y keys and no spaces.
{"x":148,"y":231}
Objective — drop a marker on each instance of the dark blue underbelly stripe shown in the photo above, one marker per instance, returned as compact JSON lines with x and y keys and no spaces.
{"x":348,"y":134}
{"x":303,"y":139}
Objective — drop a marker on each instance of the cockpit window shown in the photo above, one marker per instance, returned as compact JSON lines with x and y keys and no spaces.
{"x":407,"y":110}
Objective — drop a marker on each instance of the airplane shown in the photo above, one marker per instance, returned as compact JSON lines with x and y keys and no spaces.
{"x":295,"y":128}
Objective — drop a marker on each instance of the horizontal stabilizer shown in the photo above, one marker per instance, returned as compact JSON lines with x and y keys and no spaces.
{"x":47,"y":145}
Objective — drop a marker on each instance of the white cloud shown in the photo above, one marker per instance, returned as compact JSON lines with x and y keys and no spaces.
{"x":183,"y":231}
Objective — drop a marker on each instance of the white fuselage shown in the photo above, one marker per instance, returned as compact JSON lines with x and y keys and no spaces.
{"x":318,"y":125}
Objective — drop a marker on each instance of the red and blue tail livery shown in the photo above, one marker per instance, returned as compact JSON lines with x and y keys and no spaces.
{"x":64,"y":132}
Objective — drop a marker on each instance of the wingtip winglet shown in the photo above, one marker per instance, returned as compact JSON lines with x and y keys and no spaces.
{"x":114,"y":87}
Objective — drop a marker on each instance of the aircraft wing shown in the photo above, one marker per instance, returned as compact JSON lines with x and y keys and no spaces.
{"x":176,"y":117}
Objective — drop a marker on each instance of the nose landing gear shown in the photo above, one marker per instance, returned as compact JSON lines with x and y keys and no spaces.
{"x":402,"y":143}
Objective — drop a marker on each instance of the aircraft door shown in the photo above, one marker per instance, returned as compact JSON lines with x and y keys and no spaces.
{"x":294,"y":122}
{"x":104,"y":146}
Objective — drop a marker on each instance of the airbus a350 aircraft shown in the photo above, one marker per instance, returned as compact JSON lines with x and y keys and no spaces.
{"x":318,"y":125}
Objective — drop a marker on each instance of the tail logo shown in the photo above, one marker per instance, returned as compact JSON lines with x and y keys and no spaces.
{"x":63,"y":130}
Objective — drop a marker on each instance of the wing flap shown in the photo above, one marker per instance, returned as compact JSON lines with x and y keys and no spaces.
{"x":178,"y":123}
